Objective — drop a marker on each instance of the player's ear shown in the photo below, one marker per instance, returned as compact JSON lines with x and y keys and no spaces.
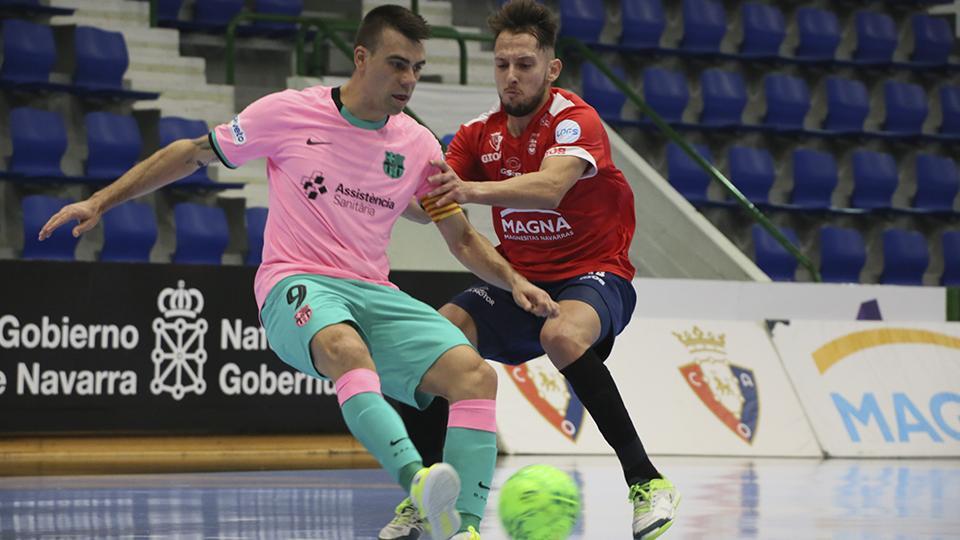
{"x":360,"y":56}
{"x":553,"y":69}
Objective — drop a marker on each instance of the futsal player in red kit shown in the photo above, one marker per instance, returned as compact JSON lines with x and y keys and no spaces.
{"x":564,"y":215}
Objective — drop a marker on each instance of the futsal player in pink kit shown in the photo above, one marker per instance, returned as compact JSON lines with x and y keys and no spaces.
{"x":343,"y":164}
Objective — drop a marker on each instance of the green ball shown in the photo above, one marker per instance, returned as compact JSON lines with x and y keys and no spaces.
{"x":539,"y":502}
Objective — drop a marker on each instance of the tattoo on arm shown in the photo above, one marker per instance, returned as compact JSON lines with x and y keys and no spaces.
{"x":202,"y":144}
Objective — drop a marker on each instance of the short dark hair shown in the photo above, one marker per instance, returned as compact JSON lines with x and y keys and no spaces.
{"x":526,"y":16}
{"x":401,"y":19}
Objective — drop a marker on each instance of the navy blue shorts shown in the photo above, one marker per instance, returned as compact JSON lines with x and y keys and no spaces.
{"x":509,"y":335}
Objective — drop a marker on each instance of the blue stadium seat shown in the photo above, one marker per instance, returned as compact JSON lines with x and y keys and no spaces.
{"x":724,"y":97}
{"x":819,"y":34}
{"x":771,"y":256}
{"x":752,"y":171}
{"x":937,"y":183}
{"x":600,"y":92}
{"x":216,"y":13}
{"x":848,"y":105}
{"x":113,"y":144}
{"x":842,"y":255}
{"x":905,"y":257}
{"x":31,"y":8}
{"x":764,"y":29}
{"x":906,"y":106}
{"x":277,"y":7}
{"x":174,"y":128}
{"x":950,"y":109}
{"x":168,"y":12}
{"x":704,"y":25}
{"x":256,"y":222}
{"x":643,"y":23}
{"x":100,"y":59}
{"x":202,"y":233}
{"x":446,"y":139}
{"x":39,"y":140}
{"x":61,"y":245}
{"x":814,"y":178}
{"x":876,"y":37}
{"x":874,"y":179}
{"x":29,"y":52}
{"x":582,"y":19}
{"x":129,"y":233}
{"x":788,"y":100}
{"x":666,"y":92}
{"x":951,"y":259}
{"x":685,"y":175}
{"x":932,"y":39}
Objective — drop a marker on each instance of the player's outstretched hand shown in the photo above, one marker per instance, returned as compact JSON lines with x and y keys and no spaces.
{"x":449,"y":185}
{"x":85,"y":212}
{"x":535,"y":300}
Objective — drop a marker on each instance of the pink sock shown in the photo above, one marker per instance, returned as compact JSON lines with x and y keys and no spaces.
{"x":479,"y":414}
{"x":356,"y":381}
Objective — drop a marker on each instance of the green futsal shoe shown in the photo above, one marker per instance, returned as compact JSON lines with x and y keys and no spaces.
{"x":654,"y":506}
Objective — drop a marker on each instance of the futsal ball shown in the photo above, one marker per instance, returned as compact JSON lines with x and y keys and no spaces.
{"x":539,"y":502}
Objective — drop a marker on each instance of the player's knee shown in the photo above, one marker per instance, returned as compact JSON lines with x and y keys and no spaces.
{"x":477,"y":381}
{"x":338,"y":349}
{"x":560,"y":340}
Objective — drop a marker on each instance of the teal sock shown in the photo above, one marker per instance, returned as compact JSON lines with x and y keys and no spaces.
{"x":473,"y":453}
{"x":406,"y":474}
{"x":379,"y":428}
{"x":467,"y":521}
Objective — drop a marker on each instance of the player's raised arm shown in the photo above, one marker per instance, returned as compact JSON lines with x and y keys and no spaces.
{"x":543,"y":189}
{"x":169,"y":164}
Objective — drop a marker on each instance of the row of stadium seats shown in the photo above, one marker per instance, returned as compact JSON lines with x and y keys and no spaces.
{"x":114,"y":144}
{"x":99,"y":60}
{"x":214,"y":15}
{"x":130,"y":232}
{"x":903,"y":110}
{"x":843,"y":254}
{"x":817,"y":33}
{"x":815,"y":177}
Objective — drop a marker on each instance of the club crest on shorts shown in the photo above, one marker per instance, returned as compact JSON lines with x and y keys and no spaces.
{"x":303,"y":315}
{"x":728,"y":390}
{"x":393,"y":165}
{"x":550,"y":394}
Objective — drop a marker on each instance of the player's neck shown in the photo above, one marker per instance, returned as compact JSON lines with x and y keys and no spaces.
{"x":352,"y":97}
{"x":517,"y":124}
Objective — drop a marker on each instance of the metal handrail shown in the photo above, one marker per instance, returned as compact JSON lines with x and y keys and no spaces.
{"x":328,"y":29}
{"x":716,"y":175}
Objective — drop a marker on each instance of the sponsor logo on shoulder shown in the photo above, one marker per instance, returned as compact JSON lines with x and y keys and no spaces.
{"x":568,"y":131}
{"x":239,"y":137}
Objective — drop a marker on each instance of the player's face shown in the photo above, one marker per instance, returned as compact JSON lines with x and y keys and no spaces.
{"x":523,"y":71}
{"x":393,"y":69}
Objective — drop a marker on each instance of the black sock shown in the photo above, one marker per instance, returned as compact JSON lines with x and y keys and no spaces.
{"x":427,"y":428}
{"x":593,"y":384}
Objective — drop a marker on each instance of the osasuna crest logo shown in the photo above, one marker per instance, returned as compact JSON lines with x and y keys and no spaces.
{"x":495,"y":139}
{"x":393,"y":165}
{"x":178,"y":354}
{"x":550,"y":394}
{"x":728,"y":390}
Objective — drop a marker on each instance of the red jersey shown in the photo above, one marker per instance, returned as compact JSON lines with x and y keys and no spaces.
{"x":591,"y":229}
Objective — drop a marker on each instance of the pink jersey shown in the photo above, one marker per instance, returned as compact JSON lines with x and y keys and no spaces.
{"x":337,"y":183}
